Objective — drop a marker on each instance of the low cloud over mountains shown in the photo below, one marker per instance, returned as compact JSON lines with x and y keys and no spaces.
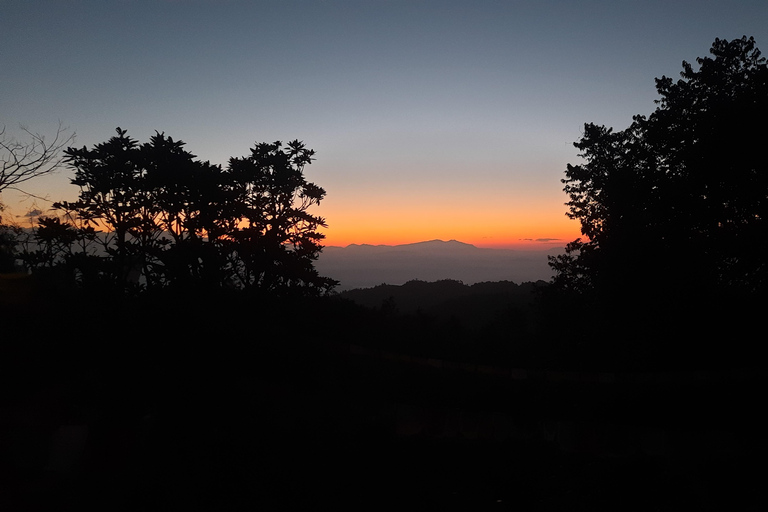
{"x":363,"y":266}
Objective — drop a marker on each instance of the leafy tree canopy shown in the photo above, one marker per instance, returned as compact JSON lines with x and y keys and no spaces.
{"x":677,"y":202}
{"x":170,"y":220}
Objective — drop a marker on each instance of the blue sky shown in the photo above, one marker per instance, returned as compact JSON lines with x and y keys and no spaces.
{"x":430,"y":119}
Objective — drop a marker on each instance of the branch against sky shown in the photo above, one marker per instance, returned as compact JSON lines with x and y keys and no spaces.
{"x":20,"y":161}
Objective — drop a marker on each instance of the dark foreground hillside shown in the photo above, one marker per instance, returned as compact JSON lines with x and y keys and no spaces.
{"x":228,"y":403}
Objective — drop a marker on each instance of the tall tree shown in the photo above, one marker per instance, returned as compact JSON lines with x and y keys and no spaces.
{"x":186,"y":198}
{"x":112,"y":197}
{"x":279,"y":239}
{"x":679,"y":200}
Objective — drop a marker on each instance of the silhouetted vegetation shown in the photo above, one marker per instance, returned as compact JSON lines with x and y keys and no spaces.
{"x":175,"y":349}
{"x":21,"y":161}
{"x":216,"y":402}
{"x":483,"y":322}
{"x":150,"y":217}
{"x":9,"y":239}
{"x":675,"y":207}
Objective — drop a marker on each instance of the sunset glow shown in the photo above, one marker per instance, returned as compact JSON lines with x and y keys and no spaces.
{"x":430,"y":120}
{"x":503,"y":230}
{"x":270,"y":254}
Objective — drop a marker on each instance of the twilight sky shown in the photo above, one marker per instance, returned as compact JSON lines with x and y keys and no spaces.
{"x":431,"y":119}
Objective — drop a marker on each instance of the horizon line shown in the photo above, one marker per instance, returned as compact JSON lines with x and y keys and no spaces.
{"x":521,"y":242}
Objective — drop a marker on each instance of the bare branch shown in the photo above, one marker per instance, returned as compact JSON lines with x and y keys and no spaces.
{"x":22,"y":161}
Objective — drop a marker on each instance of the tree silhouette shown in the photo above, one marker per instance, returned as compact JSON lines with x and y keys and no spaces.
{"x":9,"y":235}
{"x":23,"y":161}
{"x":278,"y":240}
{"x":194,"y":210}
{"x":173,"y":221}
{"x":679,"y":200}
{"x":112,"y":196}
{"x":19,"y":163}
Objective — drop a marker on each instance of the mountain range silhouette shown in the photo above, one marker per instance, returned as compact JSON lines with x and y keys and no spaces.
{"x":365,"y":266}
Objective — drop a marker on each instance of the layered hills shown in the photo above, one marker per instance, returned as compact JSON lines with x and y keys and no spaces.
{"x":365,"y":266}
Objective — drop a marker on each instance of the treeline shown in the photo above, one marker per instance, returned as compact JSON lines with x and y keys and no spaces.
{"x":151,"y":216}
{"x":483,"y":322}
{"x":437,"y":296}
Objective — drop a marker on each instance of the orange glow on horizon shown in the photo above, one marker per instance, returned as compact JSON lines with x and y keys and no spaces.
{"x":531,"y":232}
{"x":504,"y":216}
{"x":485,"y":243}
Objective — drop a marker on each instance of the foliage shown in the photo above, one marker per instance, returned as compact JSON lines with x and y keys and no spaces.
{"x":9,"y":235}
{"x":278,"y":240}
{"x":151,"y":216}
{"x":20,"y":162}
{"x":679,"y":200}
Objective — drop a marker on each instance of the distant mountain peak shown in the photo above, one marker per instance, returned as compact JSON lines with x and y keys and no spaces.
{"x":367,"y":246}
{"x":438,"y":243}
{"x":365,"y":265}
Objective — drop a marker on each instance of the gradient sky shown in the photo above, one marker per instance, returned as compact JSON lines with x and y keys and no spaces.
{"x":431,"y":119}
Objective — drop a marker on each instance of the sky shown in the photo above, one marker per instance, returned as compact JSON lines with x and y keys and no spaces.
{"x":430,"y":119}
